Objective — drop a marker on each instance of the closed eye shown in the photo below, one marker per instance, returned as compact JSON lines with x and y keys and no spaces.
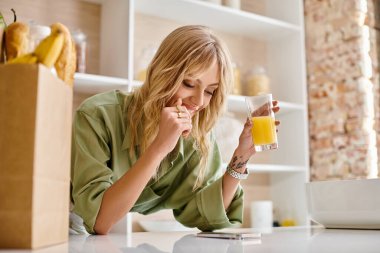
{"x":209,"y":92}
{"x":187,"y":84}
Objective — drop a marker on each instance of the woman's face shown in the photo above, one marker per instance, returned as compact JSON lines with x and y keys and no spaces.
{"x":197,"y":91}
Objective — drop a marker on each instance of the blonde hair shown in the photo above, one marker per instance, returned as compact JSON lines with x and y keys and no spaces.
{"x":188,"y":50}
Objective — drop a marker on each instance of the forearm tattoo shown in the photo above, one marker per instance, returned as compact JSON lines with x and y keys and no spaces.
{"x":237,"y":163}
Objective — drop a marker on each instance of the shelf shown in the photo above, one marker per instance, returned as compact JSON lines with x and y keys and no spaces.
{"x":88,"y":83}
{"x":93,"y":1}
{"x":272,"y":168}
{"x":218,"y":17}
{"x":237,"y":104}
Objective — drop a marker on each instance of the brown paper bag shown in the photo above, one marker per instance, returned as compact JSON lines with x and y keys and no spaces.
{"x":35,"y":149}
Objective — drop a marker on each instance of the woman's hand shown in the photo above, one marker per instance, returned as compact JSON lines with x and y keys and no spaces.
{"x":263,"y":110}
{"x":275,"y":109}
{"x":246,"y":145}
{"x":175,"y":121}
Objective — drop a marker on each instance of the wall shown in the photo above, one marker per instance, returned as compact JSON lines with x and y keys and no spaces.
{"x":343,"y":80}
{"x":375,"y":45}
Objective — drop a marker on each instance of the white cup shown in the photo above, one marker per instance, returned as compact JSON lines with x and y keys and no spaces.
{"x":262,"y":214}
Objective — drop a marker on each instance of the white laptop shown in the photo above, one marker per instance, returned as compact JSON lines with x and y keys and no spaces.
{"x":345,"y":203}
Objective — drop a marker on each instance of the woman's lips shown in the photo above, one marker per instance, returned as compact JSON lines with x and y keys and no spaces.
{"x":192,"y":110}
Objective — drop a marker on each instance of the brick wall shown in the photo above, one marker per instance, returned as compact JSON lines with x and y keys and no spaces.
{"x":343,"y":80}
{"x":374,"y":23}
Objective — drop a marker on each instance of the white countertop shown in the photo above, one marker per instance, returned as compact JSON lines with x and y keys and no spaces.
{"x":314,"y":240}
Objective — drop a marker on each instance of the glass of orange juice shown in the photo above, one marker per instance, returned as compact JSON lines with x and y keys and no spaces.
{"x":263,"y":122}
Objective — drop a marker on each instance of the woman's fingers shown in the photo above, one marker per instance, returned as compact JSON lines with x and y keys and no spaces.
{"x":261,"y":111}
{"x":276,"y":109}
{"x":182,"y":115}
{"x":277,"y":122}
{"x":185,"y":123}
{"x":179,"y":108}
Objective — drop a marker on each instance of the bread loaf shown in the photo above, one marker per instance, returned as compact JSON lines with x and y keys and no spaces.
{"x":16,"y":40}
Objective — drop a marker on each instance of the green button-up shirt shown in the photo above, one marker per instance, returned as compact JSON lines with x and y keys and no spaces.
{"x":101,"y":155}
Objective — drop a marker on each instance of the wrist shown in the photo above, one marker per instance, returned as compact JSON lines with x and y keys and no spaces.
{"x":240,"y":175}
{"x":158,"y":150}
{"x":239,"y":152}
{"x":238,"y":162}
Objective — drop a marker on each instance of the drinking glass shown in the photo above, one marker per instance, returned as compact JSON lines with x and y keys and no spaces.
{"x":263,"y":122}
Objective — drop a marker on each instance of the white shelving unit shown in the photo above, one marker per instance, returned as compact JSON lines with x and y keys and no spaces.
{"x":218,"y":17}
{"x":88,"y":83}
{"x":265,"y":168}
{"x":237,"y":104}
{"x":281,"y":29}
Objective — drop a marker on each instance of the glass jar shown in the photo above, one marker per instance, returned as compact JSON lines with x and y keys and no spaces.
{"x":2,"y":28}
{"x":257,"y":82}
{"x":36,"y":34}
{"x":143,"y":61}
{"x":234,"y":4}
{"x":237,"y":88}
{"x":80,"y":45}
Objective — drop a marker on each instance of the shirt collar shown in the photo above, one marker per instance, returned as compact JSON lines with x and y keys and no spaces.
{"x":127,"y":140}
{"x":178,"y":150}
{"x":127,"y":132}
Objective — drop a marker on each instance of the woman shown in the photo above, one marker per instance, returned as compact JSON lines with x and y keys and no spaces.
{"x":154,"y":148}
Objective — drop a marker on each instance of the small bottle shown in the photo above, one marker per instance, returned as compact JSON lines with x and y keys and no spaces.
{"x":288,"y":219}
{"x":237,"y":89}
{"x":257,"y":82}
{"x":80,"y":45}
{"x":276,"y":222}
{"x":234,"y":4}
{"x":36,"y":34}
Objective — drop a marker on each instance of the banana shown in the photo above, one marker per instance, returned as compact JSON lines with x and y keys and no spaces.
{"x":50,"y":48}
{"x":16,"y":40}
{"x":26,"y":58}
{"x":66,"y":63}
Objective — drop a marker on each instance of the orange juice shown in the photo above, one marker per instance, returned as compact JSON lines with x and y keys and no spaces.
{"x":263,"y":130}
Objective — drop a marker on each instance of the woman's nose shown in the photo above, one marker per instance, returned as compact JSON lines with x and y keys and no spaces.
{"x":197,"y":99}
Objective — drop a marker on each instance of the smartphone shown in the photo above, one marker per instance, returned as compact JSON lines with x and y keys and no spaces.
{"x":230,"y":235}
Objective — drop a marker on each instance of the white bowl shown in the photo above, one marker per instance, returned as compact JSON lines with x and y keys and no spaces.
{"x":163,"y":226}
{"x":345,"y":203}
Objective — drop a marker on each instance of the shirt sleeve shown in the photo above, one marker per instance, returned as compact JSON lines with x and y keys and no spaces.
{"x":206,"y":209}
{"x":90,"y":176}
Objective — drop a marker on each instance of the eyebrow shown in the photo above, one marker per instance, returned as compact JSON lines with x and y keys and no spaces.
{"x":213,"y":84}
{"x":199,"y":81}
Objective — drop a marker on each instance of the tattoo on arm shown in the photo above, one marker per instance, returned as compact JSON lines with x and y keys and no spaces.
{"x":235,"y":164}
